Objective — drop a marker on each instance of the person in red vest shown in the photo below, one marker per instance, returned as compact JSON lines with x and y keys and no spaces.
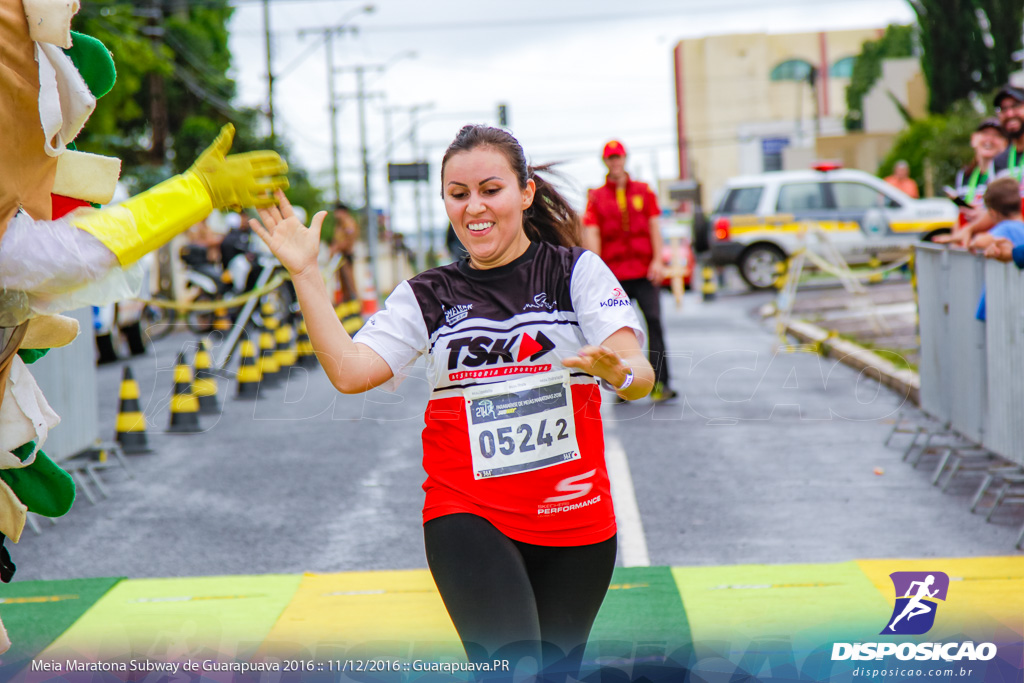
{"x":620,"y":225}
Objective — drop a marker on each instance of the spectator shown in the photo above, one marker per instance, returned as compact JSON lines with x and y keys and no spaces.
{"x":1010,"y":109}
{"x":343,"y":241}
{"x":901,"y":180}
{"x":1002,"y":200}
{"x":621,"y":226}
{"x":987,"y":141}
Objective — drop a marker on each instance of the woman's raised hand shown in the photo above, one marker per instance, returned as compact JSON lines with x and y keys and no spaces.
{"x":294,"y":245}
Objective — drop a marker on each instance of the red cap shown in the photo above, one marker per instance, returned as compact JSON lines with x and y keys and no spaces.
{"x":613,"y":148}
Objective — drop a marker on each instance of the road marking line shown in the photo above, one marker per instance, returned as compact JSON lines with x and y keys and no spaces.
{"x":632,"y":541}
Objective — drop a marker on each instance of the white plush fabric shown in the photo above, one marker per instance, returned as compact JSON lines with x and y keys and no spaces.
{"x":49,"y":21}
{"x":24,"y":416}
{"x":65,"y":103}
{"x":89,"y":177}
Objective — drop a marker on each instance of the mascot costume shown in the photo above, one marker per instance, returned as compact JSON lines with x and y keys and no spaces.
{"x":59,"y":250}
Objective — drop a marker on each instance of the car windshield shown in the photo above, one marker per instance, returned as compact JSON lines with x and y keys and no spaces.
{"x":741,"y":200}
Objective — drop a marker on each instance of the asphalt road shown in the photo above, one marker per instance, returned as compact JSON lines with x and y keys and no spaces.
{"x":769,"y":456}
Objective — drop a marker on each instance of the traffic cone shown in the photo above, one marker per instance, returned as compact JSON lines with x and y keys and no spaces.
{"x":369,"y":299}
{"x":184,"y":405}
{"x":222,"y":321}
{"x":875,"y":264}
{"x":708,"y":287}
{"x":283,"y":345}
{"x":269,"y":366}
{"x":304,"y":347}
{"x":205,"y":384}
{"x":131,"y":423}
{"x":352,"y":320}
{"x":249,"y":373}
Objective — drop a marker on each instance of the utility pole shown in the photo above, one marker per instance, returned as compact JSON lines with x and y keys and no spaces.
{"x":332,"y":99}
{"x":270,"y":69}
{"x":361,"y":97}
{"x":157,"y":96}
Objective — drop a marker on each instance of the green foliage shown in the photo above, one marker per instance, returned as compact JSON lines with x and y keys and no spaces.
{"x":897,"y":41}
{"x":967,"y":46}
{"x":941,"y":140}
{"x":193,"y":58}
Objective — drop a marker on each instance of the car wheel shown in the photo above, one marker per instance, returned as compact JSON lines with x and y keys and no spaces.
{"x":758,"y":265}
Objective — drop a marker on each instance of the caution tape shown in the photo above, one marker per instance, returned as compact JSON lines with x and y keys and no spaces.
{"x":234,"y":302}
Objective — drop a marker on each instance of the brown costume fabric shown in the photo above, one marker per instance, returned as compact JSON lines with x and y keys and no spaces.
{"x":26,"y":172}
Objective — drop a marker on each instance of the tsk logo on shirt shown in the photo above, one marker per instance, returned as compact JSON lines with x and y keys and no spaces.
{"x":480,"y":350}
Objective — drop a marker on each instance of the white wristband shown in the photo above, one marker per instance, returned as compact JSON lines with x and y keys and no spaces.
{"x":626,"y":383}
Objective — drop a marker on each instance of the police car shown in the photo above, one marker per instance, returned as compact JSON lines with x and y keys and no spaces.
{"x":760,"y":220}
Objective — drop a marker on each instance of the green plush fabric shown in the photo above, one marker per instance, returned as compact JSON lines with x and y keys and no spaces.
{"x":94,"y":61}
{"x":43,"y":487}
{"x":30,"y":356}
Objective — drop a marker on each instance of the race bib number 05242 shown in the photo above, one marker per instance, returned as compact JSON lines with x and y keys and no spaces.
{"x":521,"y":425}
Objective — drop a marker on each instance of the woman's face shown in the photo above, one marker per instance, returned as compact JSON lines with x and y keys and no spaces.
{"x":485,"y":205}
{"x":987,"y":143}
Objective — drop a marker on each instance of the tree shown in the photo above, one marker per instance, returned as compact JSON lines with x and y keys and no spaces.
{"x":939,"y":141}
{"x":190,"y":52}
{"x":967,"y":46}
{"x":897,"y":41}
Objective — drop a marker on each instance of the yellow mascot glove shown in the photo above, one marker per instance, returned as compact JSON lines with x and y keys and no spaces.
{"x":239,"y":180}
{"x":150,"y":219}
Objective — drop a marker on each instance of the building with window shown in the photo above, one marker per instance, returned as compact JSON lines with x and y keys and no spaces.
{"x":751,"y":103}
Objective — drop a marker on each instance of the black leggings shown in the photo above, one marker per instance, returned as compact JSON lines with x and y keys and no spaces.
{"x":507,"y":598}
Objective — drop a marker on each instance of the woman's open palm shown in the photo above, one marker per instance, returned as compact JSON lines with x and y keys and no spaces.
{"x":294,"y":245}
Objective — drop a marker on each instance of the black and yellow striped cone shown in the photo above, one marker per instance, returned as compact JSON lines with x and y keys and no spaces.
{"x":269,"y":368}
{"x":352,"y":318}
{"x":184,"y":404}
{"x":205,"y":384}
{"x":708,"y":288}
{"x":304,"y":347}
{"x":285,"y":354}
{"x":131,"y":423}
{"x":875,"y":264}
{"x":249,"y":373}
{"x":221,"y":321}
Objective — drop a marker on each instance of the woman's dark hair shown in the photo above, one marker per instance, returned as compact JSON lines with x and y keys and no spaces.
{"x":549,"y":218}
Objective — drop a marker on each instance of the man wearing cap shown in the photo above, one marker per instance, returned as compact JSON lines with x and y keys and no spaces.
{"x":1009,"y":103}
{"x":621,"y":226}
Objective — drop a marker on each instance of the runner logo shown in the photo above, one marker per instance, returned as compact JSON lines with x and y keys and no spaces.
{"x":541,"y":301}
{"x":916,"y":595}
{"x":482,"y":350}
{"x":456,"y":313}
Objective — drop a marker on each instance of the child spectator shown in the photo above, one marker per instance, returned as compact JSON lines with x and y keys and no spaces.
{"x":1002,"y":200}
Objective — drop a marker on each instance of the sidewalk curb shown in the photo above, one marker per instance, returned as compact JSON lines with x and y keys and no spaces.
{"x":904,"y":381}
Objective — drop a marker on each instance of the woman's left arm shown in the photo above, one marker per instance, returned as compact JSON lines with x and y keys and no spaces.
{"x":613,"y":361}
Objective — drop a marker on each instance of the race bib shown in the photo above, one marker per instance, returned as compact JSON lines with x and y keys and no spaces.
{"x":521,"y":425}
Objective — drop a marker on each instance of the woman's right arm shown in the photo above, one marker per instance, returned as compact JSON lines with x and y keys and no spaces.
{"x":352,"y":368}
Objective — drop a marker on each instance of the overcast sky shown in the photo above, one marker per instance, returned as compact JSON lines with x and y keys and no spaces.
{"x":574,"y":74}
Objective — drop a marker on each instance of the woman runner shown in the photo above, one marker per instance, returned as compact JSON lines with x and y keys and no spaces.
{"x":519,"y":528}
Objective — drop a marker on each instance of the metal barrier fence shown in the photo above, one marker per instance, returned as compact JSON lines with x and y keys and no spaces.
{"x":953,"y":367}
{"x":1005,"y":320}
{"x":972,"y":373}
{"x":67,"y":377}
